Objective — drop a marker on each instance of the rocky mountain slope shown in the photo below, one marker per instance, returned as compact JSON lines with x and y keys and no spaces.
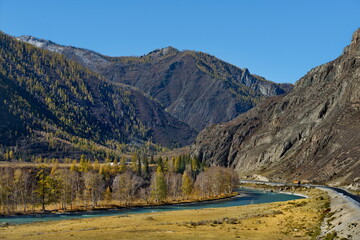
{"x":195,"y":87}
{"x":313,"y":133}
{"x":48,"y":103}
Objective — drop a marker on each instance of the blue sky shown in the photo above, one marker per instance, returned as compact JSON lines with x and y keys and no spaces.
{"x":278,"y":39}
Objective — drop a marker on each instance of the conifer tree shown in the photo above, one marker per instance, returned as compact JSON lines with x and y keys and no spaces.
{"x":160,"y":163}
{"x":152,"y":161}
{"x":182,"y":164}
{"x":146,"y":169}
{"x":134,"y":160}
{"x":96,"y":165}
{"x":49,"y":188}
{"x":11,"y":154}
{"x":43,"y":188}
{"x":159,"y":187}
{"x":122,"y":168}
{"x":177,"y":164}
{"x":108,"y":195}
{"x":171,"y":165}
{"x":73,"y":167}
{"x":195,"y":166}
{"x":187,"y":184}
{"x":139,"y":166}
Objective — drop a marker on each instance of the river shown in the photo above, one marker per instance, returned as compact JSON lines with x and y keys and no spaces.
{"x":246,"y":197}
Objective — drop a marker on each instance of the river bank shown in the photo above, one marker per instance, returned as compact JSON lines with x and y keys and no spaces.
{"x":246,"y":197}
{"x":295,"y":219}
{"x":343,"y":220}
{"x":114,"y":206}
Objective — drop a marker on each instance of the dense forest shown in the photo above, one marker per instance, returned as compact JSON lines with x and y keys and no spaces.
{"x":85,"y":185}
{"x":55,"y":107}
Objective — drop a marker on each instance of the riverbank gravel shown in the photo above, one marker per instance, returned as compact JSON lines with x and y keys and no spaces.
{"x":344,"y":217}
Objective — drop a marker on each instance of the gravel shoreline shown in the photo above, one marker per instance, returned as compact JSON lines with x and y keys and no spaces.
{"x":344,"y":217}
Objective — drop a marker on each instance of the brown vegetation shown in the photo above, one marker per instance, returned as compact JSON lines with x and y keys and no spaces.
{"x":297,"y":219}
{"x":90,"y":185}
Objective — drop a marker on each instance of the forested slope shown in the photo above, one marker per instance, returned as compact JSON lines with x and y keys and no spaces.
{"x":51,"y":104}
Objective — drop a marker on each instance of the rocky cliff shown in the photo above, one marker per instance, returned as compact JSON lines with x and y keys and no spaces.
{"x":195,"y":87}
{"x":313,"y":133}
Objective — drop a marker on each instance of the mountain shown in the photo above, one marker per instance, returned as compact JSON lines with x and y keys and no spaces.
{"x":311,"y":134}
{"x":195,"y":87}
{"x":48,"y":103}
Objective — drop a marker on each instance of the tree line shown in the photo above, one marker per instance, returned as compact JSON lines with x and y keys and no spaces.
{"x":89,"y":184}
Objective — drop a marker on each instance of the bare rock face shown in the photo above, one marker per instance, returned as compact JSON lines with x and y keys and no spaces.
{"x":195,"y":87}
{"x":313,"y":133}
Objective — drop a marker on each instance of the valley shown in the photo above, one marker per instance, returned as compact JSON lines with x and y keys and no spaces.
{"x":81,"y":131}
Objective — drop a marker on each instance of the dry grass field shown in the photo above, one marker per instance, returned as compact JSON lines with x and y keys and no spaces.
{"x":296,"y":219}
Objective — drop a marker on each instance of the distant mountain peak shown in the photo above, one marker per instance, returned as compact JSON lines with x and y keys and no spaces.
{"x":38,"y":42}
{"x":169,"y":48}
{"x":41,"y":43}
{"x":354,"y":47}
{"x":161,"y":52}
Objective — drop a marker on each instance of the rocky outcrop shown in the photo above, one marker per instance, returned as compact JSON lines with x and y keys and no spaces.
{"x":195,"y":87}
{"x":310,"y":134}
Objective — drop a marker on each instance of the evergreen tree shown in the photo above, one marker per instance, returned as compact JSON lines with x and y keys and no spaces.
{"x":160,"y":163}
{"x":84,"y":165}
{"x":43,"y":188}
{"x":146,"y":168}
{"x":96,"y":165}
{"x":195,"y":166}
{"x":166,"y":164}
{"x":73,"y":167}
{"x":152,"y":161}
{"x":159,"y":187}
{"x":122,"y":168}
{"x":187,"y":184}
{"x":177,"y":164}
{"x":11,"y":154}
{"x":134,"y":160}
{"x":108,"y":195}
{"x":139,"y":166}
{"x":49,"y":188}
{"x":182,"y":164}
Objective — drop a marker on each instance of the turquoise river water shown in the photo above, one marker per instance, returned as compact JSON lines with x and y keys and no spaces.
{"x":246,"y":197}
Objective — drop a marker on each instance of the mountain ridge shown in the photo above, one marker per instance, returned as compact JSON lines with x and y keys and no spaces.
{"x":195,"y":87}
